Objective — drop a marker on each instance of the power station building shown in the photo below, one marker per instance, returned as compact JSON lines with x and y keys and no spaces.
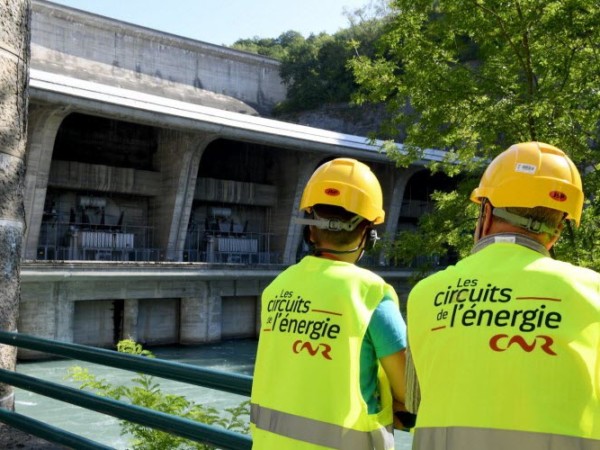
{"x":159,"y":191}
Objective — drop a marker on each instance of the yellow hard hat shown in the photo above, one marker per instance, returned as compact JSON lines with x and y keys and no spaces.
{"x":533,"y":174}
{"x":347,"y":183}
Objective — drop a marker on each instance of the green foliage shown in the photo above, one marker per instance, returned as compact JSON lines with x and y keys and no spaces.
{"x":276,"y":48}
{"x":312,"y":74}
{"x":133,"y":348}
{"x":481,"y":75}
{"x":315,"y":69}
{"x":146,"y":392}
{"x":443,"y":234}
{"x":473,"y":77}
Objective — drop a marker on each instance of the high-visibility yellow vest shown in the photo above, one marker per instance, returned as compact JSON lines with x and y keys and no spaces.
{"x":306,"y":389}
{"x":506,"y":346}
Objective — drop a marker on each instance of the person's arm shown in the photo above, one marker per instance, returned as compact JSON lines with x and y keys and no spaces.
{"x":394,"y":368}
{"x":388,"y":333}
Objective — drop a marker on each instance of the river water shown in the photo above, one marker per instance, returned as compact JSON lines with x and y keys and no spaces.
{"x":233,"y":356}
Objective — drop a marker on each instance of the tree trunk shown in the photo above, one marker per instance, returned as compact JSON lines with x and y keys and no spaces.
{"x":14,"y":65}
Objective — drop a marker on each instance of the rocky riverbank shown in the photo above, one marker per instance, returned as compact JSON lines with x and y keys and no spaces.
{"x":13,"y":439}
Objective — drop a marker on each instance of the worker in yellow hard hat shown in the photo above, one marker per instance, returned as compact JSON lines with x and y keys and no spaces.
{"x":506,"y":342}
{"x":329,"y":369}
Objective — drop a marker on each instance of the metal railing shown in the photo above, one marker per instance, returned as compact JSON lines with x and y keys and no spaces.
{"x":229,"y":247}
{"x":67,"y":241}
{"x":196,"y":431}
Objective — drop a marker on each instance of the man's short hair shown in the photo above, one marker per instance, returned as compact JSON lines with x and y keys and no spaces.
{"x":549,"y":217}
{"x":342,"y":237}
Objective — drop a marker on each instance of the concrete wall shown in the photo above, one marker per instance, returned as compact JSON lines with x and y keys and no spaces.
{"x":158,"y":321}
{"x":171,"y":303}
{"x":168,"y":304}
{"x":93,"y":323}
{"x":96,"y":48}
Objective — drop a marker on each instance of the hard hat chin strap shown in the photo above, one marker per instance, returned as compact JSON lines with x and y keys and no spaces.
{"x":367,"y":242}
{"x":532,"y":225}
{"x":330,"y":224}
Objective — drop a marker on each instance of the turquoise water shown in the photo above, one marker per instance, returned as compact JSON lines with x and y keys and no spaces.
{"x":235,"y":356}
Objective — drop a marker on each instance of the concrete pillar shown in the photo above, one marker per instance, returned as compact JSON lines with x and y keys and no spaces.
{"x":194,"y":320}
{"x":64,"y":310}
{"x":42,"y":128}
{"x":178,"y":158}
{"x":214,"y":313}
{"x":37,"y":315}
{"x":130,"y":319}
{"x":201,"y":316}
{"x":294,"y":234}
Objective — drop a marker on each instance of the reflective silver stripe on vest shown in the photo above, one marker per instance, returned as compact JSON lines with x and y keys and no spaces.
{"x":464,"y":438}
{"x":318,"y":432}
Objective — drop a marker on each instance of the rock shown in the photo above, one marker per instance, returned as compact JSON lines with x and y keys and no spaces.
{"x":14,"y":439}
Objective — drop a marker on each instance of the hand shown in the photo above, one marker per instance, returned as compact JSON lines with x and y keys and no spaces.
{"x":403,"y":420}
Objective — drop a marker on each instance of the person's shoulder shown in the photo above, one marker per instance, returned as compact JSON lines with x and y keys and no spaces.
{"x":571,"y":271}
{"x":435,"y":277}
{"x":358,"y":270}
{"x":375,"y":282}
{"x":288,"y":271}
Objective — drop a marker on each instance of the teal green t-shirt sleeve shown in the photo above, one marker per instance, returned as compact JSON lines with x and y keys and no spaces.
{"x":386,"y":334}
{"x":387,"y":329}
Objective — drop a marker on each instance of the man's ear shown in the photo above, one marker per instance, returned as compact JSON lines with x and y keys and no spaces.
{"x":487,"y":219}
{"x":554,"y":239}
{"x":484,"y":221}
{"x":306,"y":235}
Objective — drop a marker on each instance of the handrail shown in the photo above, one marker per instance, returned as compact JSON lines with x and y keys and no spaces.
{"x":186,"y":428}
{"x":234,"y":383}
{"x":198,"y":376}
{"x":49,"y":432}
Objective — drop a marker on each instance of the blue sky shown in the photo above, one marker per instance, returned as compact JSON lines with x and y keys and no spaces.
{"x":222,"y":22}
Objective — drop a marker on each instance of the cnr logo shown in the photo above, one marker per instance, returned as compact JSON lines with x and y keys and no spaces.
{"x":308,"y":346}
{"x":501,"y":343}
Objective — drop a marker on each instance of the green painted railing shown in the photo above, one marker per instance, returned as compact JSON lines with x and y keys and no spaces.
{"x":224,"y":381}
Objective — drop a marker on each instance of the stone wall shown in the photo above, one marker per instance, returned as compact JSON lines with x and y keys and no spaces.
{"x":343,"y":118}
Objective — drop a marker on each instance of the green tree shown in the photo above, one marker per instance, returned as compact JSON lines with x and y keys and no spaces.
{"x":316,"y":70}
{"x":472,"y":77}
{"x":276,"y":48}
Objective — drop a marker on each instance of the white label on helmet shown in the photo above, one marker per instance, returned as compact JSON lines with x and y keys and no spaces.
{"x":525,"y":168}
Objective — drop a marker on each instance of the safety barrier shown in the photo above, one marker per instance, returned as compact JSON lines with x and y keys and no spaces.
{"x":73,"y":241}
{"x":224,"y":381}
